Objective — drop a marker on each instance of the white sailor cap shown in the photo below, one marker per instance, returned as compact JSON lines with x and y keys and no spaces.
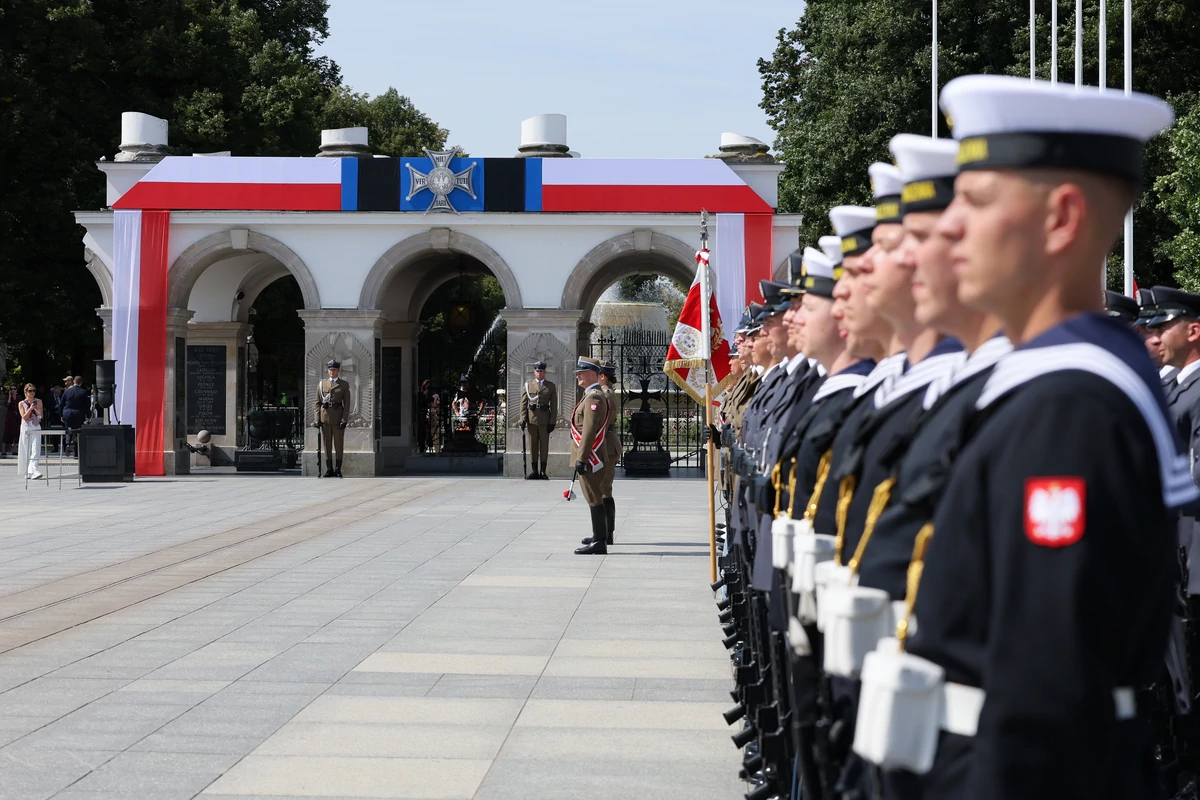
{"x":832,"y":245}
{"x":853,"y":225}
{"x":1005,"y":122}
{"x":886,"y":185}
{"x":820,"y":274}
{"x":928,"y":167}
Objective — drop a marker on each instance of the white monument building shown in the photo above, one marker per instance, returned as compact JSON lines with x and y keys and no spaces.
{"x":186,"y":244}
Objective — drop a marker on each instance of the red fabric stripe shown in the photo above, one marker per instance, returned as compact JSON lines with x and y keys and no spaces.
{"x":152,"y":343}
{"x":757,"y":239}
{"x":650,"y":199}
{"x":234,"y":196}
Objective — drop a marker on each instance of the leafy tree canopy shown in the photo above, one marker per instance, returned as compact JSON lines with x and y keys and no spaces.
{"x":849,"y":76}
{"x":239,"y":75}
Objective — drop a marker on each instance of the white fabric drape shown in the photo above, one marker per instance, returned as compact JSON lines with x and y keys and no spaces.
{"x":29,"y":450}
{"x":127,"y":258}
{"x":729,"y":267}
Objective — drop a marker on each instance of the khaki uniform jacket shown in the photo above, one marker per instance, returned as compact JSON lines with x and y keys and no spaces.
{"x":748,"y":385}
{"x":339,"y":401}
{"x":545,"y":397}
{"x":589,"y":419}
{"x":611,"y":437}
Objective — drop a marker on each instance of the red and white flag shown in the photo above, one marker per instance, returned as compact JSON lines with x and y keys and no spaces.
{"x":685,"y":356}
{"x":139,"y":342}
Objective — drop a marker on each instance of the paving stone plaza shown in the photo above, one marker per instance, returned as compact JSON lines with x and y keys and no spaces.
{"x":277,"y":637}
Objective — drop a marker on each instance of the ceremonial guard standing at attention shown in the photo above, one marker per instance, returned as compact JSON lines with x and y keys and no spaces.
{"x":331,"y":412}
{"x":539,"y":413}
{"x":612,"y":440}
{"x":589,"y":449}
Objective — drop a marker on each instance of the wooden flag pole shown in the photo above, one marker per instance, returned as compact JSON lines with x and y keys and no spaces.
{"x":706,"y":354}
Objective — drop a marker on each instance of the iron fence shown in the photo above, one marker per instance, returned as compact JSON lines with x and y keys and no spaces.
{"x":639,"y":354}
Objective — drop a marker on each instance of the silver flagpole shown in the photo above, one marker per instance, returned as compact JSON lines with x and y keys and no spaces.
{"x":1032,"y":41}
{"x":1054,"y":41}
{"x":1078,"y":43}
{"x":933,"y":111}
{"x":706,"y":354}
{"x":1103,"y":42}
{"x":1128,"y":89}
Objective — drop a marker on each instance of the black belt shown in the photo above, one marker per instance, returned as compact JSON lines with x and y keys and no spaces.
{"x":331,"y":405}
{"x":539,"y":406}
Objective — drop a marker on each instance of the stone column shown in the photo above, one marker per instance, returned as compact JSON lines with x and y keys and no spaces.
{"x":347,"y":335}
{"x":176,"y":458}
{"x":232,"y":335}
{"x":550,"y":335}
{"x":105,"y":315}
{"x":395,"y":449}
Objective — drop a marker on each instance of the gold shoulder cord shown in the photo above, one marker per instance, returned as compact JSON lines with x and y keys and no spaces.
{"x":879,"y":501}
{"x":845,"y":495}
{"x":915,"y":568}
{"x":810,"y":511}
{"x":775,"y":482}
{"x":792,"y":490}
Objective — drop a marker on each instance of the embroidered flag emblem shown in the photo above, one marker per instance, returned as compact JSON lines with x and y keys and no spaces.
{"x":1054,"y":510}
{"x":595,"y":406}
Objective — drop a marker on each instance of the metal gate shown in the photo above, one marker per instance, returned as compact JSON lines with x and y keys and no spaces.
{"x":442,"y":359}
{"x":639,"y":355}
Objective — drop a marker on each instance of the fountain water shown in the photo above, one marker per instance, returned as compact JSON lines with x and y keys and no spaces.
{"x":493,"y":329}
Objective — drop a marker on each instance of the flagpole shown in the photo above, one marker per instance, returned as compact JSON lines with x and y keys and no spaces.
{"x":1032,"y":42}
{"x":1128,"y":89}
{"x":706,"y":354}
{"x":934,"y":102}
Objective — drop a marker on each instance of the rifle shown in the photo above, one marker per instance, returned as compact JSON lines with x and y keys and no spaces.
{"x":317,"y":425}
{"x":524,"y":463}
{"x":569,"y":494}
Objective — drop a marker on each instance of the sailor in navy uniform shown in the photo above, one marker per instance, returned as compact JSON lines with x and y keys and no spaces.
{"x":1066,"y":488}
{"x":917,"y":445}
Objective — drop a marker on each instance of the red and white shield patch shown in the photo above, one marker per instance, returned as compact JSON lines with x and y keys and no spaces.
{"x":1054,"y":510}
{"x":595,"y":406}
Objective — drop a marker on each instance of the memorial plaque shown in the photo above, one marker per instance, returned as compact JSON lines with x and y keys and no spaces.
{"x":391,"y":384}
{"x":206,"y":388}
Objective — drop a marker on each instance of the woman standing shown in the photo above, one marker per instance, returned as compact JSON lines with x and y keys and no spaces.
{"x":30,"y":447}
{"x":12,"y":422}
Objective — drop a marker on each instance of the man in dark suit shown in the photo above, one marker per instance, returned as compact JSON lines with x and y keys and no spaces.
{"x":76,"y":405}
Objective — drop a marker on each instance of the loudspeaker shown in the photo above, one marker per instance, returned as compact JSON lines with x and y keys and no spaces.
{"x":106,"y":382}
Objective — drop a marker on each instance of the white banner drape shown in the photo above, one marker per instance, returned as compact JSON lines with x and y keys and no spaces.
{"x":729,"y":269}
{"x":127,"y":259}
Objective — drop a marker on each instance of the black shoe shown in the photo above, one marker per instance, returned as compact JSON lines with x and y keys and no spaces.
{"x":543,"y":476}
{"x":593,"y":549}
{"x":533,"y":476}
{"x":329,"y":472}
{"x":337,"y":473}
{"x":588,"y":540}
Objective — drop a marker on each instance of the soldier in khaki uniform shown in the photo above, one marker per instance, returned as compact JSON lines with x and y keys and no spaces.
{"x":608,"y":377}
{"x":589,"y":450}
{"x":539,"y":413}
{"x":331,"y":412}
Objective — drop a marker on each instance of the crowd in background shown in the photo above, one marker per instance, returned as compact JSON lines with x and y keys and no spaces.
{"x":67,"y":406}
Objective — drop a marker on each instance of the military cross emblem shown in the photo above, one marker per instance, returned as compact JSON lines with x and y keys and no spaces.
{"x":441,"y":180}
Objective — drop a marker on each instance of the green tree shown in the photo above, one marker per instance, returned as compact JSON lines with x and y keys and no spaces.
{"x":849,"y":76}
{"x":1179,"y":198}
{"x":239,"y":75}
{"x":398,"y":128}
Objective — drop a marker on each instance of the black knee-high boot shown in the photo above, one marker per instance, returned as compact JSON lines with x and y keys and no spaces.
{"x":610,"y":514}
{"x":599,"y":533}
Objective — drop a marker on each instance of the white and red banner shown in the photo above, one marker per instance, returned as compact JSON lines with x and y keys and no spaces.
{"x":645,"y":185}
{"x":741,"y":258}
{"x":243,"y":183}
{"x":685,"y":357}
{"x":139,"y":341}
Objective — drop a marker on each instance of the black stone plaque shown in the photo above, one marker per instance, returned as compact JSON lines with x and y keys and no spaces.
{"x":206,"y":388}
{"x":392,"y":394}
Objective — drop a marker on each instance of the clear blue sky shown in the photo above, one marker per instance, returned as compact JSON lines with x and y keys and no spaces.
{"x":635,"y":78}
